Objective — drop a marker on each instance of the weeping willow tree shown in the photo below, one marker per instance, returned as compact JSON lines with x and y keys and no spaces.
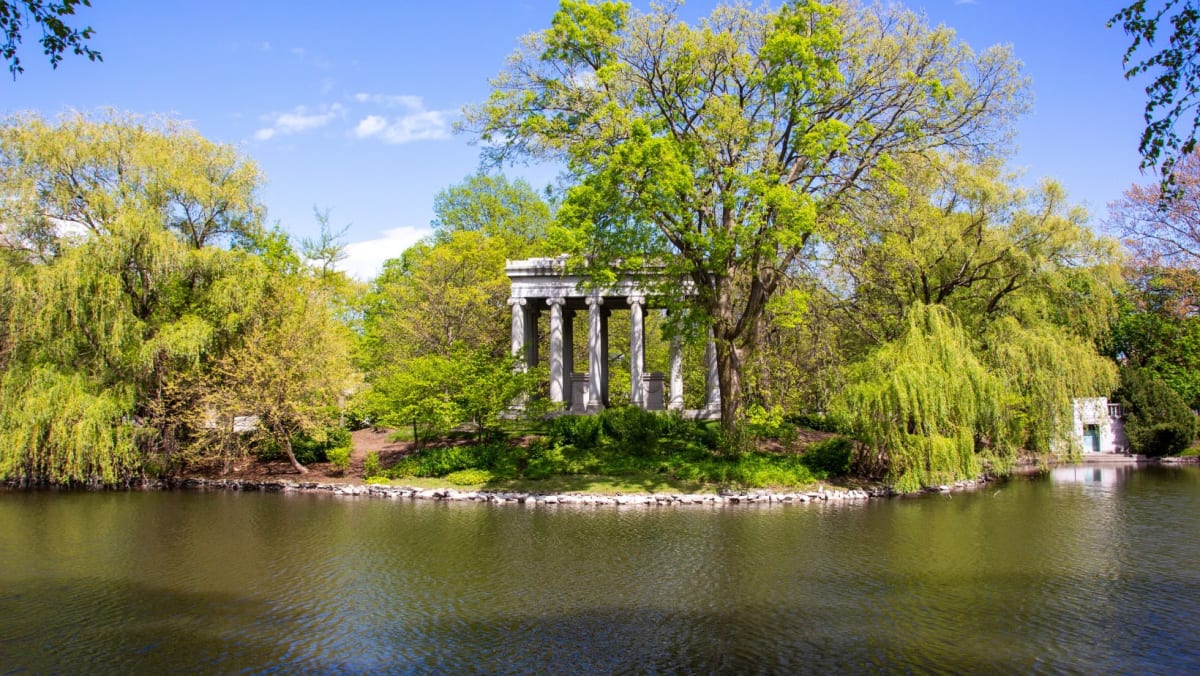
{"x":115,"y":295}
{"x":926,"y":410}
{"x":1046,"y":367}
{"x":61,"y":428}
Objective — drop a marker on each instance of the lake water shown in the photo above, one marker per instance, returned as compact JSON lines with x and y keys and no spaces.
{"x":1088,"y":570}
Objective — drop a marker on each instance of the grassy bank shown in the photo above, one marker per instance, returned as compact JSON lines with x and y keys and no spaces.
{"x":624,"y":449}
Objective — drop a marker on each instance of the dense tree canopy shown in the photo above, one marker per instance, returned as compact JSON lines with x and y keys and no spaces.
{"x":496,"y":206}
{"x":119,"y":305}
{"x":937,"y":231}
{"x":970,"y":313}
{"x":723,"y":148}
{"x":436,"y":340}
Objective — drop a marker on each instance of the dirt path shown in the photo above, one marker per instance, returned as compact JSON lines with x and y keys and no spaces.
{"x":367,"y":440}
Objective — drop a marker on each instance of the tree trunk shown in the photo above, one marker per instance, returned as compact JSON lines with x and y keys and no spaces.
{"x":729,"y":378}
{"x":286,"y":440}
{"x":729,"y":366}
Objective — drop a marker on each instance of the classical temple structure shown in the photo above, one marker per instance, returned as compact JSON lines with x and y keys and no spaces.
{"x":543,"y":285}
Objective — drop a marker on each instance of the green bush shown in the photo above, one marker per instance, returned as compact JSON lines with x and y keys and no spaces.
{"x":340,"y":457}
{"x":581,"y":431}
{"x":829,"y":458}
{"x":762,"y":470}
{"x":1158,"y":421}
{"x":371,"y":466}
{"x":634,"y":430}
{"x":315,"y":447}
{"x":469,"y":477}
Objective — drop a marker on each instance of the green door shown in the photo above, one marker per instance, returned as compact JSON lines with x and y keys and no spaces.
{"x":1091,"y":439}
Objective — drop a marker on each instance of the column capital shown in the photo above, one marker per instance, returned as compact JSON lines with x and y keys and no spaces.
{"x":556,"y":301}
{"x":594,"y":300}
{"x":636,"y":299}
{"x":516,"y":301}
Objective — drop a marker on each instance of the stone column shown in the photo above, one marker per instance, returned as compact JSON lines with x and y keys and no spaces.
{"x":604,"y":315}
{"x":637,"y":350}
{"x":531,"y":335}
{"x":712,"y":381}
{"x":518,"y":325}
{"x":557,"y":377}
{"x":568,"y":346}
{"x":675,"y":403}
{"x":594,"y":400}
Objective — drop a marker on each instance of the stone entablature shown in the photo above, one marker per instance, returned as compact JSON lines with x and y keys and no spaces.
{"x":543,"y":285}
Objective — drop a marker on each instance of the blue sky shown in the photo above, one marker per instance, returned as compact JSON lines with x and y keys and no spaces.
{"x":348,"y":106}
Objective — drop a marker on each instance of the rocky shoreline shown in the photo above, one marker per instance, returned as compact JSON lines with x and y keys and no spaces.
{"x":764,"y":497}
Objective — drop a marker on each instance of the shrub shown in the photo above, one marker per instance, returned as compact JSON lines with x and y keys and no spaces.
{"x":1158,"y":421}
{"x":469,"y":477}
{"x":371,"y":466}
{"x":634,"y":430}
{"x":340,"y":457}
{"x":315,"y":447}
{"x":760,"y":470}
{"x":829,"y":458}
{"x":581,"y":431}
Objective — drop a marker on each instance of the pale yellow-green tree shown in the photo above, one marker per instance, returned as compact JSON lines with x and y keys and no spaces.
{"x":291,"y":367}
{"x":728,"y":147}
{"x":1026,"y":284}
{"x":122,"y":305}
{"x":938,"y":231}
{"x":924,"y":406}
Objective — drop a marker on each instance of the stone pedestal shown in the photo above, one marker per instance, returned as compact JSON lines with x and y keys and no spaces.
{"x":652,"y":388}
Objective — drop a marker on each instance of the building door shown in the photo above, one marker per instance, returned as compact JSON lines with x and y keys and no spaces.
{"x":1091,"y":439}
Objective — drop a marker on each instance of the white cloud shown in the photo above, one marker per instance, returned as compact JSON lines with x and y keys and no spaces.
{"x":300,"y":119}
{"x":370,"y":125}
{"x":364,"y":260}
{"x":408,"y":101}
{"x":413,"y":123}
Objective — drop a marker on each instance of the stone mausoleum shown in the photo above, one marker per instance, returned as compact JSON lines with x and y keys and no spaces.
{"x":543,"y":285}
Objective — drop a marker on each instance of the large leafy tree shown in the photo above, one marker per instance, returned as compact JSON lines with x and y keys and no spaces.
{"x":138,"y":285}
{"x":951,"y":261}
{"x":1173,"y":95}
{"x":723,"y":149}
{"x":435,"y":341}
{"x":113,"y":299}
{"x":1158,"y":329}
{"x":937,"y":231}
{"x":291,"y":367}
{"x":51,"y":17}
{"x":497,"y":206}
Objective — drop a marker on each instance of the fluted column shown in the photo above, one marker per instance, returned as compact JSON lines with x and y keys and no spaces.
{"x":568,"y":352}
{"x":594,"y":400}
{"x":604,"y":315}
{"x":675,"y":403}
{"x":557,"y":378}
{"x":712,"y":381}
{"x":637,"y":350}
{"x":518,"y":325}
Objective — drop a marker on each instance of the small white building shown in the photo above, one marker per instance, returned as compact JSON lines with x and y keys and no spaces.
{"x":1099,"y":427}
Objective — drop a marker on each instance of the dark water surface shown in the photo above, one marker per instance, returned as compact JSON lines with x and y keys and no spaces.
{"x":1086,"y":571}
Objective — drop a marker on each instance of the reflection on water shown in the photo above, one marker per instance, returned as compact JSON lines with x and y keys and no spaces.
{"x":1080,"y":575}
{"x":1093,"y":475}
